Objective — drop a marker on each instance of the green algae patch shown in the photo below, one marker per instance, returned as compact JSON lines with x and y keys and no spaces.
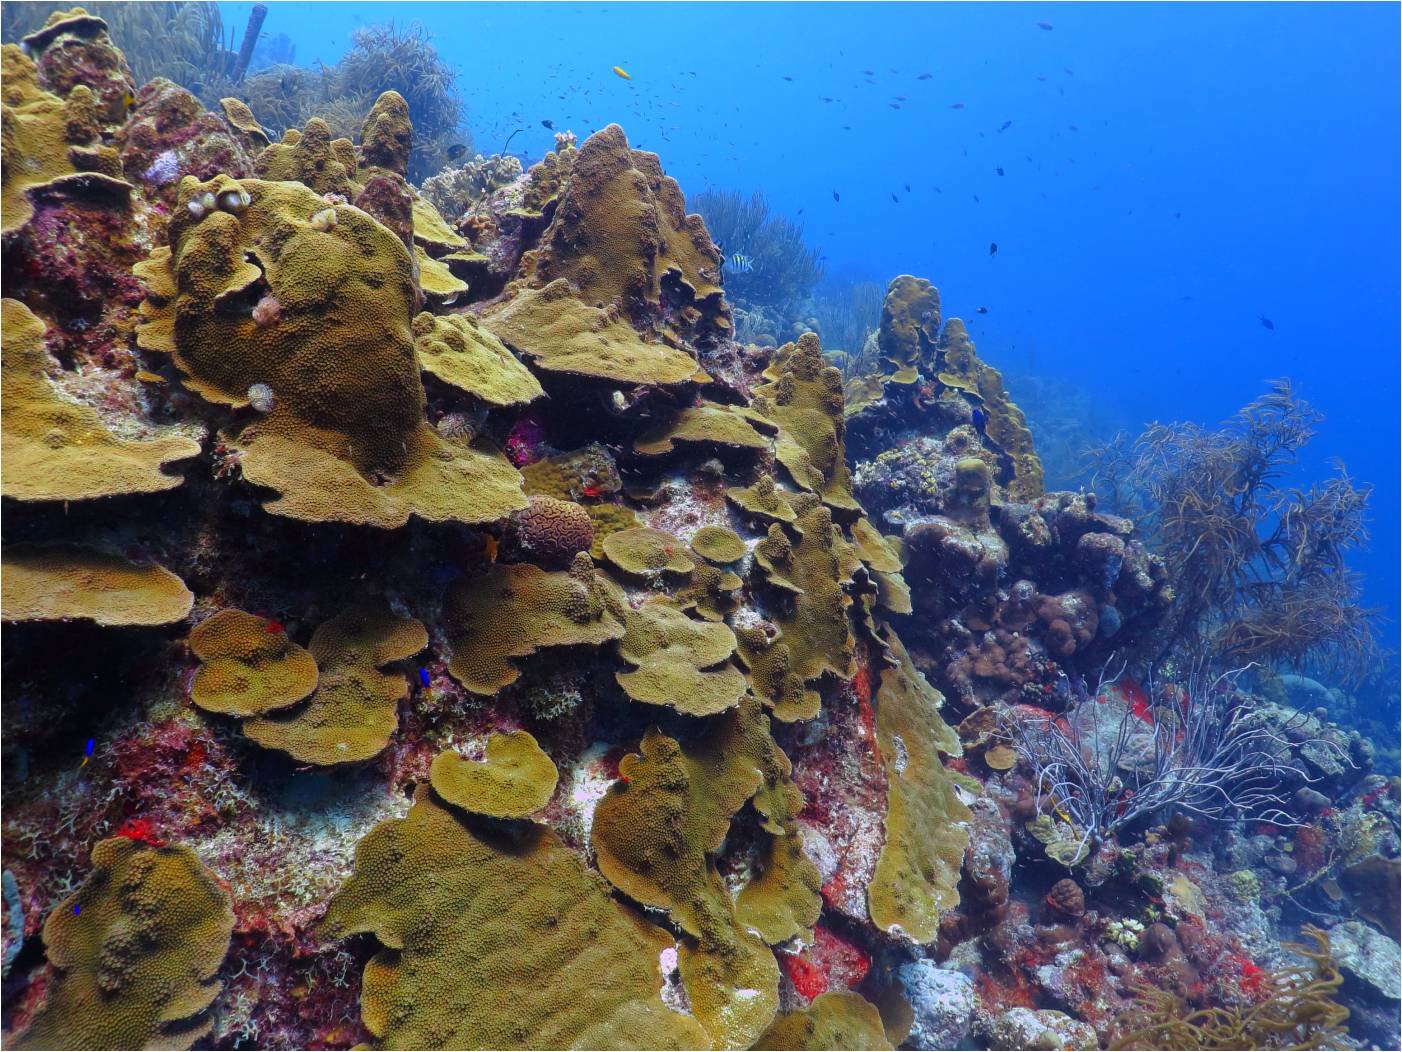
{"x":927,"y":825}
{"x":835,"y":1020}
{"x":356,"y":706}
{"x":134,"y":952}
{"x":515,"y":609}
{"x":515,"y":779}
{"x":493,"y":942}
{"x":678,"y":661}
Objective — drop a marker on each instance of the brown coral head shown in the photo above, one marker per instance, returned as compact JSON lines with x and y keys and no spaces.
{"x":1067,"y":899}
{"x":551,"y":532}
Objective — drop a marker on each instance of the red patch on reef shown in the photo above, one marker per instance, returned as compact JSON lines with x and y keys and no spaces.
{"x":142,"y":831}
{"x":1136,"y":698}
{"x":831,"y":963}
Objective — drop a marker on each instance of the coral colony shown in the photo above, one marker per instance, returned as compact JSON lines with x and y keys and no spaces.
{"x":428,"y":626}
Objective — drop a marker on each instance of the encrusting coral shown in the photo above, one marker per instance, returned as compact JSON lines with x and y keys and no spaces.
{"x":678,"y":661}
{"x":65,"y":582}
{"x":135,"y":951}
{"x":515,"y":779}
{"x":833,"y":1020}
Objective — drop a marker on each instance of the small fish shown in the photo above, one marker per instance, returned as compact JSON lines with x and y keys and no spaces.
{"x":490,"y":545}
{"x":998,"y":170}
{"x":980,"y":419}
{"x":868,"y":73}
{"x":907,"y":187}
{"x":148,"y":377}
{"x":77,"y":909}
{"x":981,"y":310}
{"x":993,"y":248}
{"x":837,"y":197}
{"x":896,"y":199}
{"x":1267,"y":323}
{"x":827,"y":99}
{"x":1074,"y":127}
{"x":924,"y":76}
{"x":87,"y":753}
{"x":739,"y":263}
{"x":1045,"y":25}
{"x":799,"y":212}
{"x":548,"y":124}
{"x":423,"y":676}
{"x":620,"y":71}
{"x":287,"y":83}
{"x":456,"y":150}
{"x":901,"y":98}
{"x":1004,"y":127}
{"x":196,"y":86}
{"x":894,"y":105}
{"x":957,"y":106}
{"x":128,"y":100}
{"x":790,"y":79}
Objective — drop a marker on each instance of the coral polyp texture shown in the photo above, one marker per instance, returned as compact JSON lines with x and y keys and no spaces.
{"x":426,"y":625}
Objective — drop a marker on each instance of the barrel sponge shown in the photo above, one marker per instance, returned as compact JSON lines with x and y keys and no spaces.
{"x":552,"y":532}
{"x":464,"y":354}
{"x":910,"y":326}
{"x":718,"y":544}
{"x":515,"y":609}
{"x":621,"y":230}
{"x":497,"y":943}
{"x":814,"y":634}
{"x":134,"y":952}
{"x":49,"y":143}
{"x":804,"y":397}
{"x":678,"y":661}
{"x":356,"y":706}
{"x":70,"y":583}
{"x":561,"y":333}
{"x":515,"y":780}
{"x":643,"y":550}
{"x":837,"y":1019}
{"x":248,"y":665}
{"x":764,"y":500}
{"x":59,"y":449}
{"x":720,"y":425}
{"x":345,"y":439}
{"x":1006,"y":426}
{"x":927,"y":824}
{"x":654,"y":835}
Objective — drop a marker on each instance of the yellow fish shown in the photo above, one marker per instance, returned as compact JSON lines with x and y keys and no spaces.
{"x":622,"y":72}
{"x":147,"y":377}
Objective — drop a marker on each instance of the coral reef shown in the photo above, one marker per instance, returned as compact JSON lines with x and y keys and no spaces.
{"x":432,"y":627}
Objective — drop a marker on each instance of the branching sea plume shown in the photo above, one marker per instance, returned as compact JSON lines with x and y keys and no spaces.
{"x":781,"y":269}
{"x":1259,"y":568}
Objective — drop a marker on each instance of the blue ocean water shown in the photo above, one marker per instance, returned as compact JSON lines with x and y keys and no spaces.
{"x":1172,"y":174}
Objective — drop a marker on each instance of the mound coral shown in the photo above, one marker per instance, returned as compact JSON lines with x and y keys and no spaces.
{"x":678,"y":661}
{"x":135,"y":950}
{"x":248,"y":665}
{"x":68,"y":583}
{"x":553,"y":532}
{"x":514,"y":780}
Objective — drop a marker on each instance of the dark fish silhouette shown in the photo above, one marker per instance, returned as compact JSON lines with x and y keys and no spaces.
{"x":993,"y":248}
{"x":1045,"y":25}
{"x":907,"y":188}
{"x":457,"y":150}
{"x":868,"y":72}
{"x":788,"y":78}
{"x":1267,"y":323}
{"x":894,"y":105}
{"x":924,"y":76}
{"x":957,"y":106}
{"x":549,"y":124}
{"x":981,"y":310}
{"x":1006,"y":125}
{"x":998,"y":170}
{"x":837,"y":197}
{"x":896,"y":199}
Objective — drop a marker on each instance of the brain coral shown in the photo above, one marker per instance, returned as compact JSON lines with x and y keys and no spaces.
{"x":493,"y":943}
{"x":515,"y":780}
{"x":553,"y":532}
{"x":58,"y":449}
{"x":678,"y":661}
{"x":249,"y":666}
{"x":134,"y":951}
{"x":355,"y":708}
{"x":341,"y":443}
{"x":68,"y":583}
{"x":513,"y":610}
